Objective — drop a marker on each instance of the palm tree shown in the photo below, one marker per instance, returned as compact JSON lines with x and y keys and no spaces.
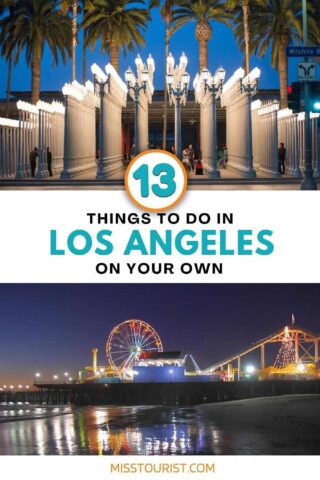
{"x":276,"y":24}
{"x":8,"y":4}
{"x":33,"y":25}
{"x":75,"y":6}
{"x":118,"y":25}
{"x":167,"y":15}
{"x":234,"y":5}
{"x":203,"y":12}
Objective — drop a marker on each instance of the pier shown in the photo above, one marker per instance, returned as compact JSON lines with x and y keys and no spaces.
{"x":179,"y":394}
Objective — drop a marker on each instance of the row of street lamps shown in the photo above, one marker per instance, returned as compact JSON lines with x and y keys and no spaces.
{"x":66,"y":377}
{"x":178,"y":80}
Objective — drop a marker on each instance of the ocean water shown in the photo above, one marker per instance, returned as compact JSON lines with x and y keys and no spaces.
{"x":281,"y":425}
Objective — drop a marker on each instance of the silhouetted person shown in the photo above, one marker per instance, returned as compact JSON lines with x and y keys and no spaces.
{"x":225,"y":157}
{"x":282,"y":158}
{"x":191,"y":157}
{"x":49,"y":161}
{"x":33,"y":161}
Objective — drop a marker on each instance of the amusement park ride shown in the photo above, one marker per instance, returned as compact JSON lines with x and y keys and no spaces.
{"x":134,"y":346}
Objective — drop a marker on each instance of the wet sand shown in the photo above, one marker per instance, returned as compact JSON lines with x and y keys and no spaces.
{"x":286,"y":425}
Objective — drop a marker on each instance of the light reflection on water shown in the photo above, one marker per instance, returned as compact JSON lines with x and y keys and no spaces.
{"x":26,"y":430}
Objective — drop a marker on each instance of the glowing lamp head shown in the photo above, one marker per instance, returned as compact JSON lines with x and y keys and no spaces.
{"x":170,"y":61}
{"x":183,"y":60}
{"x":150,"y":62}
{"x":220,"y":75}
{"x":129,"y":75}
{"x":316,"y":106}
{"x":169,"y":79}
{"x":186,"y":79}
{"x":138,"y":61}
{"x":145,"y":75}
{"x":301,"y":367}
{"x":205,"y":75}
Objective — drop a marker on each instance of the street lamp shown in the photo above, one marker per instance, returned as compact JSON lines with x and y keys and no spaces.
{"x":214,"y":84}
{"x":134,"y":85}
{"x":178,"y":86}
{"x":249,"y":86}
{"x":101,"y":81}
{"x":308,"y":182}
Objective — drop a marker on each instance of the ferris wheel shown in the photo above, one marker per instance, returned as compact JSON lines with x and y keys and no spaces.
{"x":128,"y":341}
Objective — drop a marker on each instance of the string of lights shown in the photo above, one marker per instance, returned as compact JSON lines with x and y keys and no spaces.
{"x":286,"y":355}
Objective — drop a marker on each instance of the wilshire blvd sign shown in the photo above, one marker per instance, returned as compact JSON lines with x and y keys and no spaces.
{"x":303,"y":51}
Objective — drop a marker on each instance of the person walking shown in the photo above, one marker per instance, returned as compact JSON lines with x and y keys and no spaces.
{"x":191,"y":157}
{"x":225,"y":157}
{"x":33,"y":161}
{"x":49,"y":161}
{"x":282,"y":158}
{"x":185,"y":160}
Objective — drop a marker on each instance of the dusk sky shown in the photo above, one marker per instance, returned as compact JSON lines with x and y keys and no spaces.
{"x":52,"y":328}
{"x":223,"y":50}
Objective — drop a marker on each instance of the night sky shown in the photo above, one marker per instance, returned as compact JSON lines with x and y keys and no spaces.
{"x":52,"y":328}
{"x":223,"y":51}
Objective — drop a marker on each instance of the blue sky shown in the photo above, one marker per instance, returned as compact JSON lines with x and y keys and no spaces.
{"x":223,"y":51}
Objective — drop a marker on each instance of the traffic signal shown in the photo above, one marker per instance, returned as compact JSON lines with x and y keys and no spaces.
{"x":315,"y":97}
{"x":295,"y":95}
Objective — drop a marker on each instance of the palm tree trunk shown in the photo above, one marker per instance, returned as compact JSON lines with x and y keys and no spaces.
{"x":35,"y":66}
{"x":283,"y":74}
{"x":74,"y":36}
{"x":114,"y":56}
{"x":245,"y":10}
{"x":165,"y":107}
{"x":10,"y":64}
{"x":203,"y":54}
{"x":84,"y":62}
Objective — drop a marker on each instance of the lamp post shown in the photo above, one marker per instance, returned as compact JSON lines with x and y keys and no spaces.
{"x":134,"y":85}
{"x":249,"y":86}
{"x":101,"y":81}
{"x":213,"y":84}
{"x":308,"y":182}
{"x":178,"y":86}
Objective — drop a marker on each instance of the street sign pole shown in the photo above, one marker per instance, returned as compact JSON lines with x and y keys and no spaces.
{"x":308,"y":182}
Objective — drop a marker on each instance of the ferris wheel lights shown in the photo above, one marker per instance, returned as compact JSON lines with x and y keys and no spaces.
{"x":127,"y":342}
{"x":301,"y":367}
